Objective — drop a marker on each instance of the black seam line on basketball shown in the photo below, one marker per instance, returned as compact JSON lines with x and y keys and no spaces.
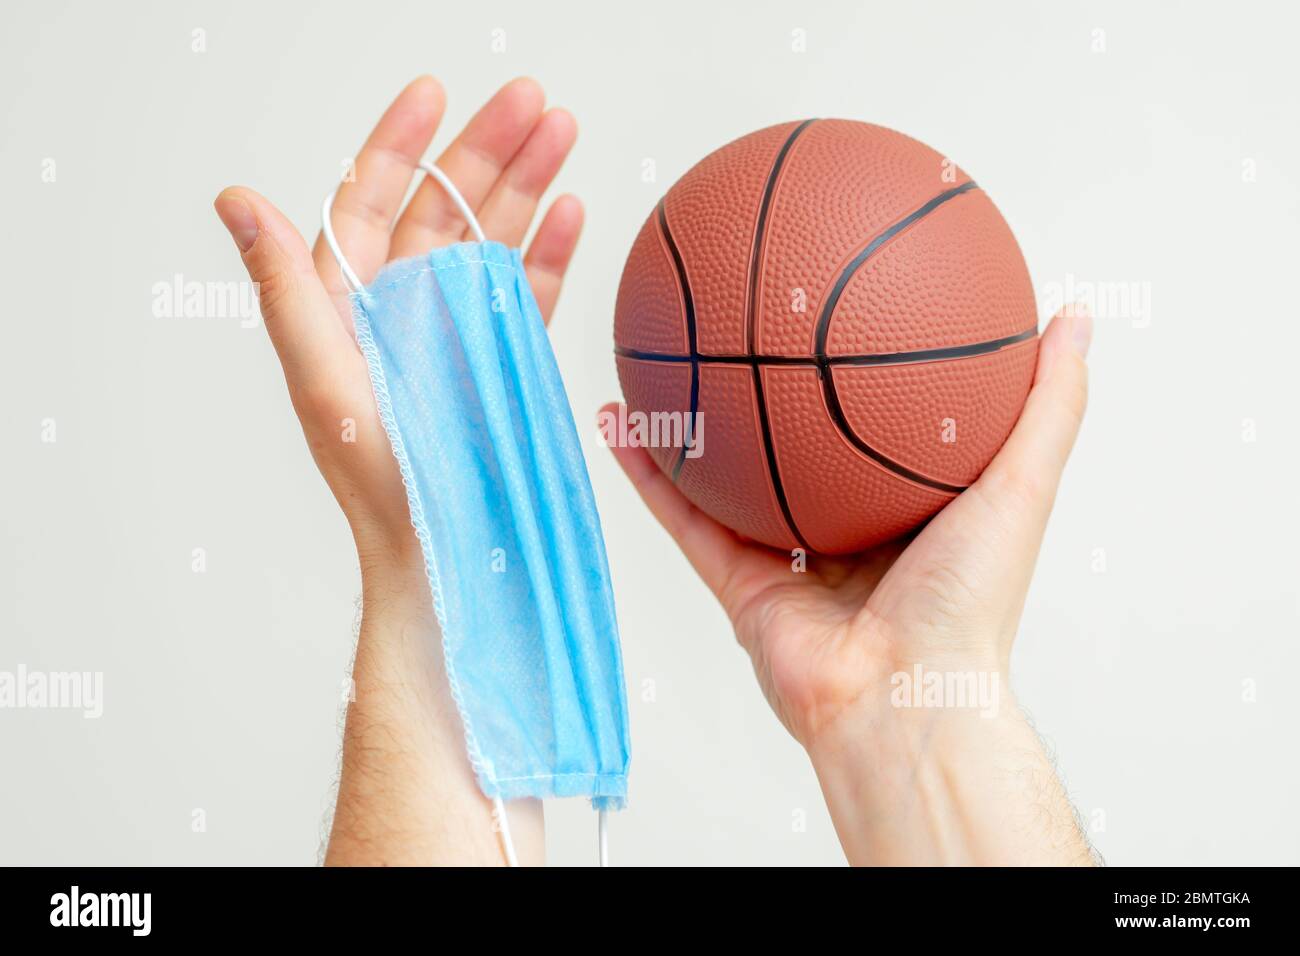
{"x":930,"y":355}
{"x":916,"y":357}
{"x":842,"y":422}
{"x":689,"y":426}
{"x":828,"y":308}
{"x":824,"y":364}
{"x":751,"y":329}
{"x":751,"y":333}
{"x":823,"y":329}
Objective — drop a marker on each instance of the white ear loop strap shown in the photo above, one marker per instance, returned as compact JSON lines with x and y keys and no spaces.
{"x":602,"y":839}
{"x":503,"y":825}
{"x":350,"y":277}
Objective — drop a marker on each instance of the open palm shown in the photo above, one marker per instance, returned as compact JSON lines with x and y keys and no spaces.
{"x":502,"y":162}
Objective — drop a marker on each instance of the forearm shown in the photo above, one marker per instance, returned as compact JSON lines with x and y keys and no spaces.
{"x":407,"y":794}
{"x":936,"y":786}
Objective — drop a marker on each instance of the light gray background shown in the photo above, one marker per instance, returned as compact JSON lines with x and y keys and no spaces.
{"x":1131,"y":165}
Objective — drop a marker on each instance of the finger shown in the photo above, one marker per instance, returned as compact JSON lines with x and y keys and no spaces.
{"x":1022,"y":479}
{"x":474,"y":161}
{"x":712,"y":550}
{"x":295,"y":306}
{"x":364,"y":209}
{"x":510,"y":206}
{"x":548,"y":256}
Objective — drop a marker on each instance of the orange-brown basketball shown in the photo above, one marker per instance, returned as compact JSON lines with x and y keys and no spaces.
{"x":847,"y":317}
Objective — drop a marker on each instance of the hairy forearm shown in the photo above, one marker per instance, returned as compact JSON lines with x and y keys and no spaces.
{"x":407,"y":795}
{"x":934,"y":786}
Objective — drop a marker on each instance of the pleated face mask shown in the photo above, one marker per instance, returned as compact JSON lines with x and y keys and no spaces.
{"x":471,"y":398}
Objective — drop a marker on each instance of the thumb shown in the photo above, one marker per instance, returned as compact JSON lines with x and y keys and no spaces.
{"x":304,"y":324}
{"x":1021,"y":481}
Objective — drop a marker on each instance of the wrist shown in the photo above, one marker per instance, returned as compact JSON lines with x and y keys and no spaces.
{"x":941,"y":784}
{"x":394,"y":580}
{"x":407,"y":793}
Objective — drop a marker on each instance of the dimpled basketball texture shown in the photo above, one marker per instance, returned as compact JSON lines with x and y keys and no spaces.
{"x":851,"y":319}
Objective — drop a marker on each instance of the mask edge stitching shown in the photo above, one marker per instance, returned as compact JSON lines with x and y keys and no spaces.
{"x":384,"y":404}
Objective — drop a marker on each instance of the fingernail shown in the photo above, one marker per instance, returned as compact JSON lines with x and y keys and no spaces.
{"x":1081,"y":329}
{"x":239,"y":219}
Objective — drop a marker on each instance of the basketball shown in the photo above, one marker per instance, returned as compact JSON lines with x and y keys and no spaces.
{"x":843,"y":325}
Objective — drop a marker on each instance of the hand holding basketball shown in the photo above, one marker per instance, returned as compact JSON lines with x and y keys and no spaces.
{"x":824,"y":638}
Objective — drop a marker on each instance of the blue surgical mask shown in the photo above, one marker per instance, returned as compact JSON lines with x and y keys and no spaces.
{"x":471,"y":398}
